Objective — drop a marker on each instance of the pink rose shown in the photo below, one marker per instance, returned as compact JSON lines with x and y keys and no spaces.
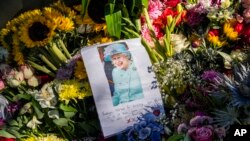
{"x":27,"y":71}
{"x":204,"y":133}
{"x":2,"y":86}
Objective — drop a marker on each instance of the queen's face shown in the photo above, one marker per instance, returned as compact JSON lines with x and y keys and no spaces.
{"x":120,"y":61}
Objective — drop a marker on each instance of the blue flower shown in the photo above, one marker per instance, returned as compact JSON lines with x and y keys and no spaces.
{"x":144,"y":133}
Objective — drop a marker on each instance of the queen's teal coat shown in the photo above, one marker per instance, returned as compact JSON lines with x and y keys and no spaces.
{"x":127,"y":85}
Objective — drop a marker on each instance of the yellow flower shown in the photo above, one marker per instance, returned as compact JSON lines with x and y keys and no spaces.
{"x":99,"y":39}
{"x":64,"y":9}
{"x":78,"y":7}
{"x":73,"y":90}
{"x":37,"y":31}
{"x":84,"y":20}
{"x":50,"y":138}
{"x":3,"y":37}
{"x":229,"y":32}
{"x":29,"y":139}
{"x":65,"y":23}
{"x":215,"y":41}
{"x":16,"y":52}
{"x":80,"y":71}
{"x":51,"y":13}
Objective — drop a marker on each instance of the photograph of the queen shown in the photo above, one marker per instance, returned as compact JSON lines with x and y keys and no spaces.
{"x":121,"y":72}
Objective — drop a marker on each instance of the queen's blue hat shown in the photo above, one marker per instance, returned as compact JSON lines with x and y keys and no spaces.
{"x":113,"y":49}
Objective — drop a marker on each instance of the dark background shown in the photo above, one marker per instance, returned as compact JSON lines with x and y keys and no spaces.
{"x":11,"y":8}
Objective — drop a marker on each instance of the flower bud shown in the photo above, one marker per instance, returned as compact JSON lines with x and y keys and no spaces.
{"x":12,"y":82}
{"x":2,"y":86}
{"x":179,"y":7}
{"x":27,"y":71}
{"x":33,"y":81}
{"x":19,"y":76}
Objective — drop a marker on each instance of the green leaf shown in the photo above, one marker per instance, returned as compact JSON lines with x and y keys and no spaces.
{"x":114,"y":24}
{"x":176,"y":137}
{"x":129,"y":22}
{"x":15,"y":133}
{"x":61,"y":121}
{"x":145,"y":3}
{"x":87,"y":127}
{"x":187,"y":138}
{"x":67,"y":108}
{"x":23,"y":96}
{"x":69,"y":114}
{"x":4,"y":133}
{"x":39,"y":113}
{"x":84,"y":7}
{"x":13,"y":123}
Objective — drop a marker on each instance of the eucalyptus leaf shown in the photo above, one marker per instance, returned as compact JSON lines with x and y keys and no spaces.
{"x":61,"y":121}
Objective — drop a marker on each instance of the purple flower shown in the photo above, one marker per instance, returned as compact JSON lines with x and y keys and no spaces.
{"x":204,"y":133}
{"x":66,"y":72}
{"x":182,"y":128}
{"x":196,"y":15}
{"x":211,"y":76}
{"x":220,"y":132}
{"x":200,"y":120}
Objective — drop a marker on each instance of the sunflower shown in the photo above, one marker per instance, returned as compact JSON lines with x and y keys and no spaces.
{"x":4,"y":33}
{"x":18,"y":55}
{"x":37,"y":31}
{"x":64,"y":23}
{"x":64,"y":9}
{"x":51,"y":13}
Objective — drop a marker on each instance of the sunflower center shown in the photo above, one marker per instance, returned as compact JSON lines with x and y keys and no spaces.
{"x":38,"y":31}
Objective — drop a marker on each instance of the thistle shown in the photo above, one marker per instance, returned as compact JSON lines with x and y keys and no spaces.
{"x":239,"y":86}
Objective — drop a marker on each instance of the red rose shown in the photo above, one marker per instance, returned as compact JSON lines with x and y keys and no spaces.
{"x":238,"y":27}
{"x":246,"y":34}
{"x":171,"y":3}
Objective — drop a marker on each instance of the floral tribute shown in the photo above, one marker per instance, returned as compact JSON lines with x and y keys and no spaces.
{"x":199,"y":50}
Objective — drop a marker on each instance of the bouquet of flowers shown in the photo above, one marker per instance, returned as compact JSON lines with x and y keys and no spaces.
{"x":200,"y":55}
{"x":45,"y":93}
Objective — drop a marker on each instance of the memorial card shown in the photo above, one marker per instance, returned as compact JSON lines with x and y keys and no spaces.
{"x":122,"y":82}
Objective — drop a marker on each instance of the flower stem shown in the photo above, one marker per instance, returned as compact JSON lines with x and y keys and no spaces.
{"x":65,"y":50}
{"x":41,"y":68}
{"x":57,"y":52}
{"x":45,"y":60}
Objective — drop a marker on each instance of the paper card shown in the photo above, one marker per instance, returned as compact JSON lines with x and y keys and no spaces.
{"x":122,"y":82}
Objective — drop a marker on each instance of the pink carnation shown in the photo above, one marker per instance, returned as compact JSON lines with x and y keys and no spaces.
{"x":154,"y":9}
